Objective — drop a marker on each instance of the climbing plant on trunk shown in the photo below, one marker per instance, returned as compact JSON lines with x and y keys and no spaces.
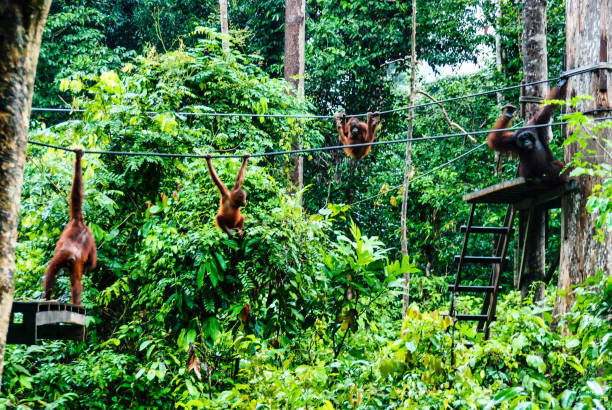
{"x":588,"y":42}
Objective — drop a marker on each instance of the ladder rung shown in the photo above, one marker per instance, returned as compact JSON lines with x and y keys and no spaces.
{"x":479,"y":318}
{"x":461,"y":288}
{"x":480,"y":259}
{"x":487,"y":229}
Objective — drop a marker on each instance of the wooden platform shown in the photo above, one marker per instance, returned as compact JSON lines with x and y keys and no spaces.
{"x":31,"y":321}
{"x":523,"y":193}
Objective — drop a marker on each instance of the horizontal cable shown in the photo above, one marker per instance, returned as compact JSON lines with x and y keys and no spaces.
{"x":313,"y":116}
{"x":461,"y":97}
{"x":306,"y":150}
{"x":565,"y":74}
{"x":456,"y":159}
{"x":288,"y":152}
{"x":58,"y":147}
{"x":604,"y":65}
{"x":423,"y":175}
{"x":53,"y":109}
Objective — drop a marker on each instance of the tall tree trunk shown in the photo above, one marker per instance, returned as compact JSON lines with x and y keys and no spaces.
{"x":535,"y":68}
{"x":408,"y":164}
{"x":21,"y":28}
{"x":535,"y":57}
{"x":588,"y":42}
{"x":224,"y":25}
{"x":498,"y":46}
{"x":295,"y":34}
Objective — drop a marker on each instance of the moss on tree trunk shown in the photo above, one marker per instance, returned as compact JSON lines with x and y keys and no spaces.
{"x":588,"y":41}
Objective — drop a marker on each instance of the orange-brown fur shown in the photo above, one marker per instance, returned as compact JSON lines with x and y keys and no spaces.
{"x":531,"y":144}
{"x":229,"y":216}
{"x":75,"y":250}
{"x":357,"y":132}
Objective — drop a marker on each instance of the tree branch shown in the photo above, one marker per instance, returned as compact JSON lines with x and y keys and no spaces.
{"x":53,"y":184}
{"x":451,"y":123}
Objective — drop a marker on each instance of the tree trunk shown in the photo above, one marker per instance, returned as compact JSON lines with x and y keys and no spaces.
{"x":535,"y":68}
{"x":535,"y":58}
{"x":535,"y":254}
{"x":588,"y":42}
{"x":498,"y":46}
{"x":21,"y":28}
{"x":224,"y":25}
{"x":295,"y":34}
{"x":408,"y":165}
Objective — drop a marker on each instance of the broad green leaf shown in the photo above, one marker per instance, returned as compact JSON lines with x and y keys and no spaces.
{"x":519,"y":342}
{"x":150,"y":374}
{"x":191,"y":336}
{"x":221,"y":261}
{"x":536,"y":362}
{"x":411,"y":346}
{"x":504,"y":395}
{"x":567,"y":398}
{"x":595,"y":388}
{"x":200,"y":276}
{"x":572,"y":343}
{"x":144,"y":344}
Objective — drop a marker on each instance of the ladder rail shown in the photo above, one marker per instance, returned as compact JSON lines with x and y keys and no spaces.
{"x":460,"y":265}
{"x":501,"y":241}
{"x":451,"y":311}
{"x":494,"y":294}
{"x":524,"y":245}
{"x":519,"y":194}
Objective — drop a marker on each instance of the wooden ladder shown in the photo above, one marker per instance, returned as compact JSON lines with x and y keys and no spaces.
{"x":497,"y":260}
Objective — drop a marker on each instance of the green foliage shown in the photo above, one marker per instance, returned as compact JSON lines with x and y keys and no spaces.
{"x":435,"y":209}
{"x":304,"y":311}
{"x":351,"y":69}
{"x":525,"y":365}
{"x":89,"y":37}
{"x":353,"y":268}
{"x":166,"y":273}
{"x":509,"y":25}
{"x":345,"y":64}
{"x":137,"y":111}
{"x":591,"y":145}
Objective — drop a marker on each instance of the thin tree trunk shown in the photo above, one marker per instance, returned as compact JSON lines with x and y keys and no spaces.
{"x":224,"y":25}
{"x":588,"y":42}
{"x":535,"y":68}
{"x":295,"y":34}
{"x":498,"y":46}
{"x":535,"y":57}
{"x":499,"y":68}
{"x":535,"y":255}
{"x":21,"y":28}
{"x":408,"y":165}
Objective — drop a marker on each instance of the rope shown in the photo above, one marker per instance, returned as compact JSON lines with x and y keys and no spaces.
{"x":471,"y":95}
{"x":313,"y":116}
{"x":565,"y":74}
{"x":456,"y":159}
{"x":42,"y":144}
{"x":604,"y":65}
{"x":288,"y":152}
{"x":423,"y":175}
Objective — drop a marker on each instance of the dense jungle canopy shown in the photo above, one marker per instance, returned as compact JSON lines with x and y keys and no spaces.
{"x":305,"y":310}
